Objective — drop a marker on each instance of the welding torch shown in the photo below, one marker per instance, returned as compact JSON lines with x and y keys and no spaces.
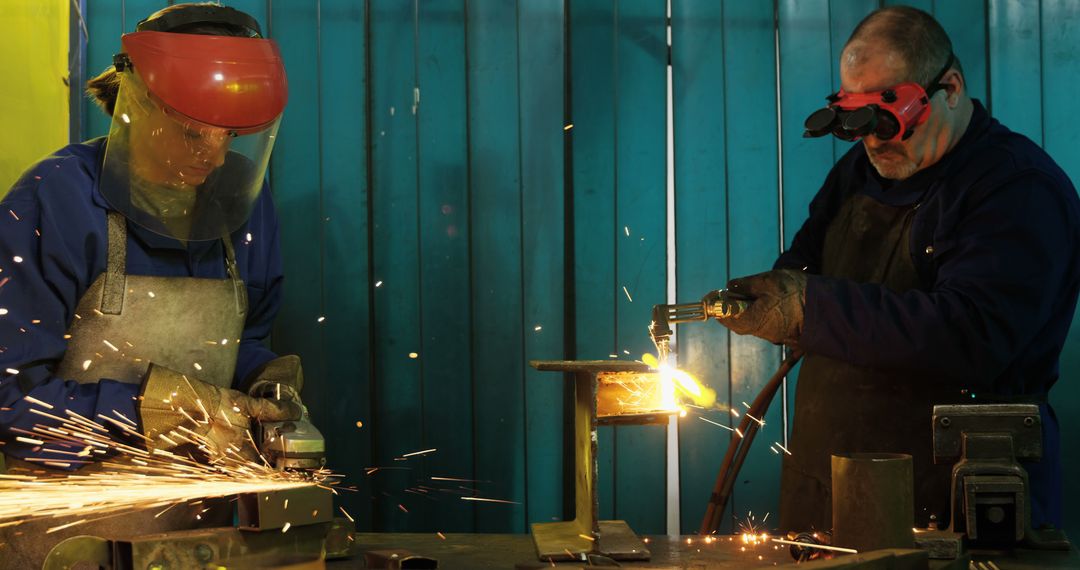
{"x":719,"y":304}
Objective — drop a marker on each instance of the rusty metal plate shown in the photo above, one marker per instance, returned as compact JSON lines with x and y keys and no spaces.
{"x":617,"y":541}
{"x":634,"y":398}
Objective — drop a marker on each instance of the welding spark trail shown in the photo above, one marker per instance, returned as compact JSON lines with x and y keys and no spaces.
{"x":485,"y":500}
{"x":424,"y":452}
{"x":134,"y":479}
{"x":811,"y":545}
{"x":715,"y":423}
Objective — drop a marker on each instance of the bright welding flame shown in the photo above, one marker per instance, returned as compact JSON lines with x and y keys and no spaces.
{"x":679,"y":381}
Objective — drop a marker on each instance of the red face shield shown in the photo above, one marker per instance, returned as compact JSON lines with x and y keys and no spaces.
{"x":886,"y":114}
{"x":228,"y":82}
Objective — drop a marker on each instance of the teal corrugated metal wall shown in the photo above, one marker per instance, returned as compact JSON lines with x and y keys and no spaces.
{"x":442,"y":214}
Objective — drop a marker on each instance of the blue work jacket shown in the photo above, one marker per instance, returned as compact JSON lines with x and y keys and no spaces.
{"x":53,"y":246}
{"x":996,"y":241}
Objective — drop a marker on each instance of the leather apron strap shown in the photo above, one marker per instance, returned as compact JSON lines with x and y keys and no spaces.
{"x":112,"y":299}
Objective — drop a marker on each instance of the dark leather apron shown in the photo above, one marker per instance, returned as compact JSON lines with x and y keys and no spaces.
{"x":840,"y":407}
{"x":191,"y":325}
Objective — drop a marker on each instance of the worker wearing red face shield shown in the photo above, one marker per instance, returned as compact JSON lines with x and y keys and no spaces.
{"x":940,"y":264}
{"x":192,"y":128}
{"x":146,"y":268}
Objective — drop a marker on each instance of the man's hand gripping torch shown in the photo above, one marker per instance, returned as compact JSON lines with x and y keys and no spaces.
{"x":295,"y":444}
{"x":719,"y":304}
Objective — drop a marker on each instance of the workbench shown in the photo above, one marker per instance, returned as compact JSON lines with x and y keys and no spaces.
{"x":482,"y":551}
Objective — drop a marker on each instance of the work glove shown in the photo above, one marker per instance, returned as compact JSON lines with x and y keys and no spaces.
{"x":281,"y":379}
{"x":776,"y":312}
{"x":183,"y":415}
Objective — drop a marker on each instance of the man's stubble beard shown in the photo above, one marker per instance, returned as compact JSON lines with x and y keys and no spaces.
{"x":893,"y":169}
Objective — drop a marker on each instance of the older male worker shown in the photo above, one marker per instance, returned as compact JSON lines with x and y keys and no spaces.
{"x":939,"y":264}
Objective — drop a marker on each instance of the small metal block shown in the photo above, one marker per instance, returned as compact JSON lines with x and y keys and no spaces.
{"x":941,"y":544}
{"x":272,"y":510}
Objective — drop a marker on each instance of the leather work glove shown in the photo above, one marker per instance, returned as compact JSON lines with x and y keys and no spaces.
{"x":281,"y":379}
{"x":180,"y":413}
{"x":776,"y":313}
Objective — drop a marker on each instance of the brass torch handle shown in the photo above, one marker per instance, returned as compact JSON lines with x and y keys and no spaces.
{"x":724,"y":304}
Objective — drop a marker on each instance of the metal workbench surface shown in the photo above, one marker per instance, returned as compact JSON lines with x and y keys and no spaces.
{"x":482,"y":551}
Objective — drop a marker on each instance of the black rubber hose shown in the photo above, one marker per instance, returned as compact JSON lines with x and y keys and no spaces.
{"x":740,"y":446}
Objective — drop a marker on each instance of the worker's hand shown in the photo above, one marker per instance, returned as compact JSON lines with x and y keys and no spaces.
{"x":776,"y":312}
{"x":280,"y":379}
{"x":180,"y":414}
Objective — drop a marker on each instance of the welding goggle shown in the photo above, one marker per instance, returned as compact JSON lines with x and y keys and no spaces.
{"x":886,"y":114}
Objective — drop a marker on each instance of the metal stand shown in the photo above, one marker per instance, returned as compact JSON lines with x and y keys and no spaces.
{"x":586,"y":535}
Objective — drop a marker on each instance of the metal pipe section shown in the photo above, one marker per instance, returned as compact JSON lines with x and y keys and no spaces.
{"x":872,"y":501}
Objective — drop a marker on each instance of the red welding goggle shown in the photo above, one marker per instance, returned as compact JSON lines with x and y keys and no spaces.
{"x":886,"y":114}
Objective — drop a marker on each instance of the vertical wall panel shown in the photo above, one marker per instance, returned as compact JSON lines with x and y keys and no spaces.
{"x":806,"y":64}
{"x":343,"y":392}
{"x":1061,"y":68}
{"x":399,"y":353}
{"x":805,"y":79}
{"x":592,"y":38}
{"x":1015,"y":65}
{"x":444,"y":257}
{"x":498,"y":355}
{"x":103,"y":27}
{"x":924,"y":5}
{"x":965,"y":22}
{"x":298,"y":194}
{"x":701,"y":254}
{"x":844,"y":15}
{"x":136,"y":10}
{"x":641,"y":260}
{"x":540,"y":73}
{"x":256,"y":8}
{"x":753,"y":224}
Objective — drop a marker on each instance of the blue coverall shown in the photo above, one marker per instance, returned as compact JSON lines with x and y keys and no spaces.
{"x":53,"y":246}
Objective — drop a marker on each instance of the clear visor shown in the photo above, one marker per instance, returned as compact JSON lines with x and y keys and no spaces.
{"x":176,"y":176}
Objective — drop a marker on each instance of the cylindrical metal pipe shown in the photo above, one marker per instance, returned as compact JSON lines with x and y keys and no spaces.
{"x":872,"y":500}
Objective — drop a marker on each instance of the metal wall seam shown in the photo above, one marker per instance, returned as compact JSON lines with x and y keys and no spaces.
{"x":780,"y":195}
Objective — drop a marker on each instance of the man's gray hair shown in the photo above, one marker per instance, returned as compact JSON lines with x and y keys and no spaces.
{"x":915,"y":35}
